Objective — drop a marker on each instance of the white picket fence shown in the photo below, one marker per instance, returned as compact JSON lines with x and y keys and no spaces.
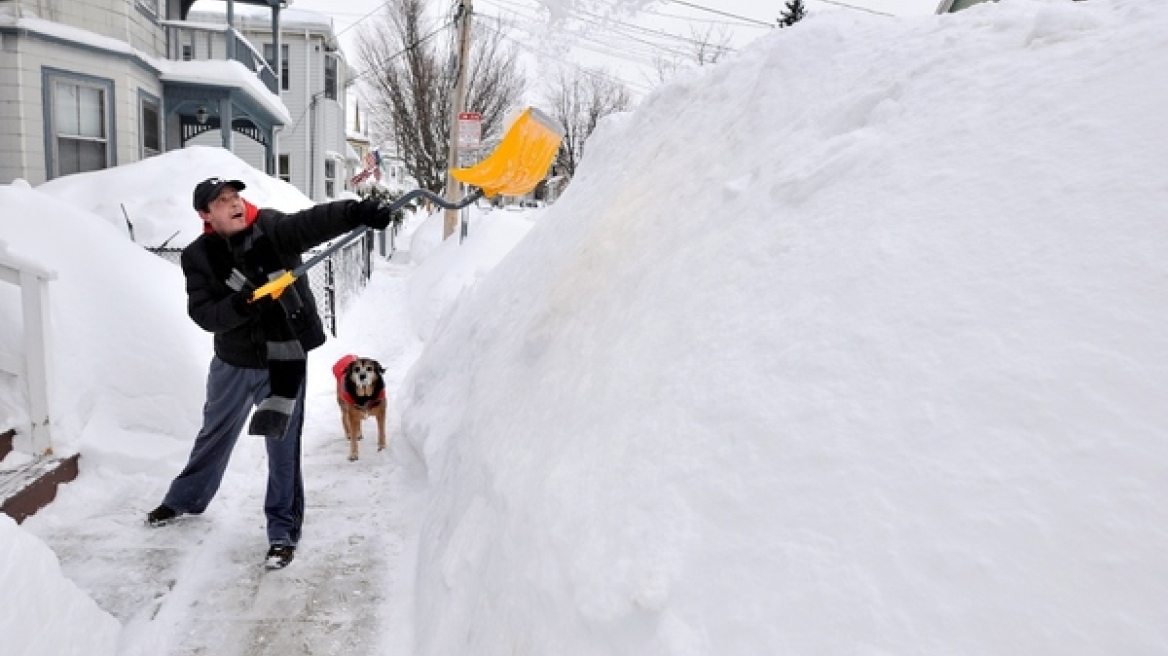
{"x":33,"y":366}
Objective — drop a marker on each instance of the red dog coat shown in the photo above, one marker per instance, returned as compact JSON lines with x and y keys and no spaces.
{"x":339,"y":371}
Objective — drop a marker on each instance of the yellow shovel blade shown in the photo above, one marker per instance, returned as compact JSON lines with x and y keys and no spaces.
{"x":520,"y":160}
{"x":273,"y":287}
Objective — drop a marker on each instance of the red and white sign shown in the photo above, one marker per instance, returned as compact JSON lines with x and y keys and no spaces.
{"x":470,"y":129}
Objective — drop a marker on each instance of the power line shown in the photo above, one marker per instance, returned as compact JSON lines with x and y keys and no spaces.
{"x":582,"y":69}
{"x":720,"y":13}
{"x":629,"y":35}
{"x":847,"y":6}
{"x":576,"y":40}
{"x":637,"y":53}
{"x":354,"y":24}
{"x":378,"y":65}
{"x":753,"y":24}
{"x":646,"y":30}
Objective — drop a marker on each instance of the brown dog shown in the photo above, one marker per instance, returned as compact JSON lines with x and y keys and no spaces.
{"x":360,"y":394}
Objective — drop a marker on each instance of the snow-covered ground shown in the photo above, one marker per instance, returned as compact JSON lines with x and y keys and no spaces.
{"x":851,"y":344}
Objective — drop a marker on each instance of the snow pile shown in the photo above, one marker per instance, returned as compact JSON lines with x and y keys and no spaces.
{"x":853,"y":344}
{"x":104,"y":399}
{"x":143,"y":194}
{"x":444,"y":269}
{"x":37,"y":602}
{"x":127,"y":387}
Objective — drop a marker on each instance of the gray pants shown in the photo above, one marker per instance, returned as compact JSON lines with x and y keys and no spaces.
{"x":231,"y":394}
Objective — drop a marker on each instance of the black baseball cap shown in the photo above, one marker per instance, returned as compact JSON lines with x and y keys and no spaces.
{"x":208,"y":190}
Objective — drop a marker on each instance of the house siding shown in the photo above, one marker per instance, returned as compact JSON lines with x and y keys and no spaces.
{"x":28,"y":137}
{"x":117,"y":19}
{"x":315,"y":129}
{"x":120,"y":42}
{"x":19,"y":110}
{"x":323,"y":122}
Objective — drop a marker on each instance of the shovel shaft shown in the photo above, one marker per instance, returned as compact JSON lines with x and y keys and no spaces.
{"x":277,"y":286}
{"x":395,"y":206}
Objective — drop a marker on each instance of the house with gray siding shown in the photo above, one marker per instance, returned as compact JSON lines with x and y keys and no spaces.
{"x":313,"y":153}
{"x":90,"y":84}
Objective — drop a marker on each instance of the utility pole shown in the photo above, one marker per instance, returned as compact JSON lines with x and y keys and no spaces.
{"x":456,"y":106}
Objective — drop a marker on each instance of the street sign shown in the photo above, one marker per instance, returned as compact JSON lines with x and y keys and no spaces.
{"x":470,"y":129}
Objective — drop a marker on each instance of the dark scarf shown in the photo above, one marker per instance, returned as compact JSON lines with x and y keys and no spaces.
{"x":285,"y":355}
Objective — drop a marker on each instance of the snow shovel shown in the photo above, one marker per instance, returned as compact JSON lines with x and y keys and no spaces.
{"x":520,"y":160}
{"x":515,"y":167}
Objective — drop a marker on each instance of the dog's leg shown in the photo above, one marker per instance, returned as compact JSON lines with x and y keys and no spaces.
{"x":344,"y":418}
{"x":351,"y":431}
{"x":353,"y":437}
{"x":381,"y":426}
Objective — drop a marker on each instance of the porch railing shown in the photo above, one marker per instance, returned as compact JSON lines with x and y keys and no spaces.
{"x":203,"y":41}
{"x":33,"y":365}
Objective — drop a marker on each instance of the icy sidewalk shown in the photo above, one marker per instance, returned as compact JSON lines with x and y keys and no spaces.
{"x":198,"y":585}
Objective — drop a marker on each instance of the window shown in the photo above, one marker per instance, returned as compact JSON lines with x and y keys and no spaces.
{"x":150,"y":120}
{"x":79,"y":138}
{"x":330,"y":77}
{"x":269,"y":55}
{"x":330,"y":178}
{"x":187,"y":52}
{"x":284,"y":168}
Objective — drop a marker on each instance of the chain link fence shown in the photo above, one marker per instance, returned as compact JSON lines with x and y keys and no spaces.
{"x":335,"y":281}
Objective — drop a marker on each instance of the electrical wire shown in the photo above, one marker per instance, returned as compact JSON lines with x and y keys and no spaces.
{"x":847,"y":6}
{"x":356,"y":22}
{"x":601,"y":40}
{"x":720,"y":13}
{"x":543,"y":54}
{"x":379,"y":65}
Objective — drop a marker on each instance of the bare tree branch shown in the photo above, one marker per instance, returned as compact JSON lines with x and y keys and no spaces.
{"x":706,"y":47}
{"x":411,"y":88}
{"x":578,"y":100}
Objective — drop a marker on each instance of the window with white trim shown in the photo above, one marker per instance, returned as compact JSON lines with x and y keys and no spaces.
{"x":270,"y":57}
{"x":284,"y":168}
{"x":80,"y":131}
{"x":330,"y":77}
{"x":330,"y":178}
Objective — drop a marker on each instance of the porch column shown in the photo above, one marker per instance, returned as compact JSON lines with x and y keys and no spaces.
{"x":225,"y":120}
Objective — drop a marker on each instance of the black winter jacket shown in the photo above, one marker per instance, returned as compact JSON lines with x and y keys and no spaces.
{"x":207,"y":263}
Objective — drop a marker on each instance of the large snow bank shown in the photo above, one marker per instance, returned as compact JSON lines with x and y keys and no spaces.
{"x":127,"y":365}
{"x":852,"y":344}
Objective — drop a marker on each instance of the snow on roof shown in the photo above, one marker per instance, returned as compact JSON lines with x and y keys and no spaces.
{"x":260,"y":18}
{"x":220,"y":72}
{"x":76,"y":35}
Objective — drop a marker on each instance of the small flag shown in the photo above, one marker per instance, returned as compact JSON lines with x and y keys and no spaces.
{"x":373,"y":161}
{"x":372,"y":167}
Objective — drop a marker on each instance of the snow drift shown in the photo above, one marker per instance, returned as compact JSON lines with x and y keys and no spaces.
{"x":851,"y":344}
{"x":36,"y":600}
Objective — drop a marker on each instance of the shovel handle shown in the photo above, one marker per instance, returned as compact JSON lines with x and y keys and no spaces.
{"x":395,"y":206}
{"x":276,"y":286}
{"x":273,"y":287}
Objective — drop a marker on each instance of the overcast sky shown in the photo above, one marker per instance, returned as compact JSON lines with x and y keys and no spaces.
{"x":741,"y":20}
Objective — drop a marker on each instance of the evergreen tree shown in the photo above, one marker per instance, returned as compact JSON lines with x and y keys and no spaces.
{"x":793,"y":14}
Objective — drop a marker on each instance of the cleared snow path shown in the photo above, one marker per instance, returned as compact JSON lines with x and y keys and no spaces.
{"x":198,"y":586}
